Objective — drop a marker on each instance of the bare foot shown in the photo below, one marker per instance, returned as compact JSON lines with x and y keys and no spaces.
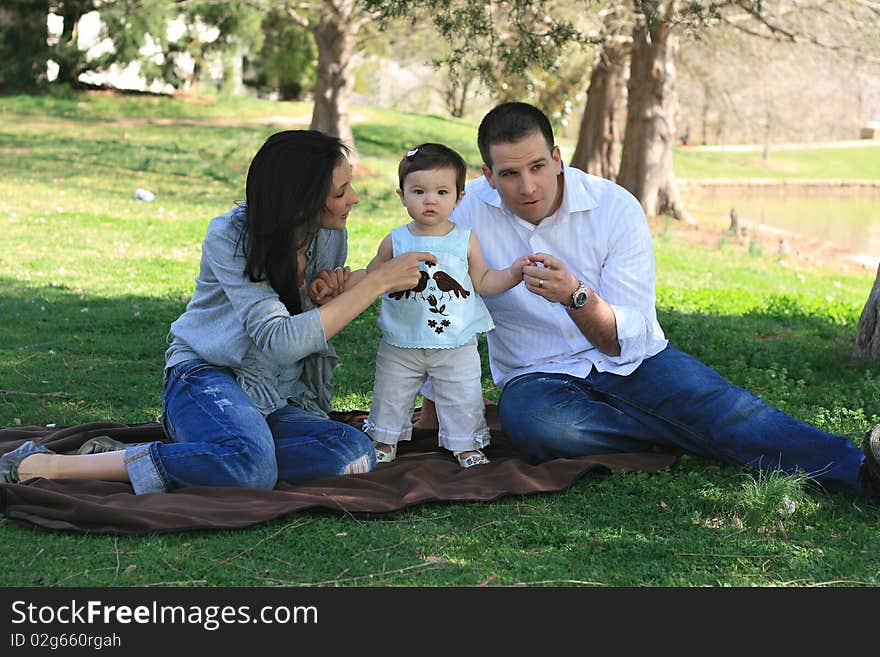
{"x":33,"y":466}
{"x":428,"y":416}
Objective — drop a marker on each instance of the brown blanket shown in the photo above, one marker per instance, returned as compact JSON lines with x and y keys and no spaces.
{"x":422,"y":473}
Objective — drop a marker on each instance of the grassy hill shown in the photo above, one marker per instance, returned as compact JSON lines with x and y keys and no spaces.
{"x":815,"y":163}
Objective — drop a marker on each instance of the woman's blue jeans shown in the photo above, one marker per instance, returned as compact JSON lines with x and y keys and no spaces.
{"x":673,"y":400}
{"x":221,"y":439}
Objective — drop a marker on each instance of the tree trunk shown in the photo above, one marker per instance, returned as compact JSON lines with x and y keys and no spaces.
{"x":596,"y":151}
{"x":23,"y":49}
{"x":704,"y":114}
{"x":70,"y":60}
{"x":646,"y":161}
{"x":334,"y":34}
{"x":868,"y":336}
{"x":456,"y":90}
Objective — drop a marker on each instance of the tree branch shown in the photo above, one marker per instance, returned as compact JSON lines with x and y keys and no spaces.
{"x":754,"y":11}
{"x":736,"y":22}
{"x":293,"y":12}
{"x":869,"y":4}
{"x":792,"y":35}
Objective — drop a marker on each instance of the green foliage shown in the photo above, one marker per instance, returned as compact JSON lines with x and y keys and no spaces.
{"x":518,"y":48}
{"x":125,"y":24}
{"x":23,"y":47}
{"x":126,"y":28}
{"x":90,"y":280}
{"x":768,"y":497}
{"x":238,"y":28}
{"x":213,"y":33}
{"x":287,"y":61}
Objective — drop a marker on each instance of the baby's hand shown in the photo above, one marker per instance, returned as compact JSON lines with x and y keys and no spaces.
{"x":319,"y":292}
{"x":516,"y":267}
{"x":328,"y":284}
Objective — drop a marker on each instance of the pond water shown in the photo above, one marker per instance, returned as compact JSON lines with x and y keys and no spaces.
{"x":848,"y":217}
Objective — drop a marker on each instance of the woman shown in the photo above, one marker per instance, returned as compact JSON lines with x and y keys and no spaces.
{"x":247,"y":376}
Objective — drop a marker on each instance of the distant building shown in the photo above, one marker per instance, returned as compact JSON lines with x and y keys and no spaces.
{"x":871,"y":130}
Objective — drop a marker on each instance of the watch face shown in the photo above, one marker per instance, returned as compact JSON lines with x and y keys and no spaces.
{"x":580,"y":298}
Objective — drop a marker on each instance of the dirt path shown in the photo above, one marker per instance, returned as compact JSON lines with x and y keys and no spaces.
{"x":286,"y":121}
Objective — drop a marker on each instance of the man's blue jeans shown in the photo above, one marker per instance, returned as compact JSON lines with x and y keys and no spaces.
{"x":673,"y":400}
{"x":221,"y":439}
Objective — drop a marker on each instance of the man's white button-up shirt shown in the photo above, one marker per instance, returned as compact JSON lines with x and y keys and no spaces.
{"x":601,"y":235}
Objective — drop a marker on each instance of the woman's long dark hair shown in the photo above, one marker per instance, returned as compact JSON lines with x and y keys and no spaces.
{"x":288,"y":183}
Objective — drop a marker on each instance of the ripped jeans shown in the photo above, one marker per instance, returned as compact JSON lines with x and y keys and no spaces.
{"x":221,"y":439}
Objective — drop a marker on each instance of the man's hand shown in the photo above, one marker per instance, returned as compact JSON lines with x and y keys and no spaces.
{"x":548,"y":277}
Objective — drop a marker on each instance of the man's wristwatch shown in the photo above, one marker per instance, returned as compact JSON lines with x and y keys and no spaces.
{"x":579,"y":297}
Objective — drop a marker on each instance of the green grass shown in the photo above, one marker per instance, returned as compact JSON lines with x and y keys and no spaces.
{"x":90,"y":279}
{"x":857,"y":163}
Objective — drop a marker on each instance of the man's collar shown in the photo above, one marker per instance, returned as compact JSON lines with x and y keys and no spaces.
{"x":578,"y":195}
{"x":486,"y":193}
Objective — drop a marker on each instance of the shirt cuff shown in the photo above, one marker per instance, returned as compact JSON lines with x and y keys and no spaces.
{"x":632,"y":334}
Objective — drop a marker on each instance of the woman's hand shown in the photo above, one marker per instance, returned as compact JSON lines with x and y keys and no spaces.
{"x":402,"y":272}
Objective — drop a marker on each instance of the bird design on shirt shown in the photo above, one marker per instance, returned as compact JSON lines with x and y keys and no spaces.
{"x":447,"y":284}
{"x":417,"y":289}
{"x":425,"y":291}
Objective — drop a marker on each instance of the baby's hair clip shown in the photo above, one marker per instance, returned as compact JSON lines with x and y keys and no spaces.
{"x":412,"y":153}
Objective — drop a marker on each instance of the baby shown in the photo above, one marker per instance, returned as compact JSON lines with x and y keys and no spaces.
{"x":431,"y":329}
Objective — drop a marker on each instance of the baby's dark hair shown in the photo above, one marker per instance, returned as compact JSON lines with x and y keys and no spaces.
{"x":425,"y":157}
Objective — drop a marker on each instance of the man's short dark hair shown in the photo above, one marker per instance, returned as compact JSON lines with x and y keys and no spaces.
{"x":428,"y":156}
{"x":510,"y":122}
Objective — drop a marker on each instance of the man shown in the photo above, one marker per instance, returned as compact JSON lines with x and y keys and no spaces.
{"x":583,"y":364}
